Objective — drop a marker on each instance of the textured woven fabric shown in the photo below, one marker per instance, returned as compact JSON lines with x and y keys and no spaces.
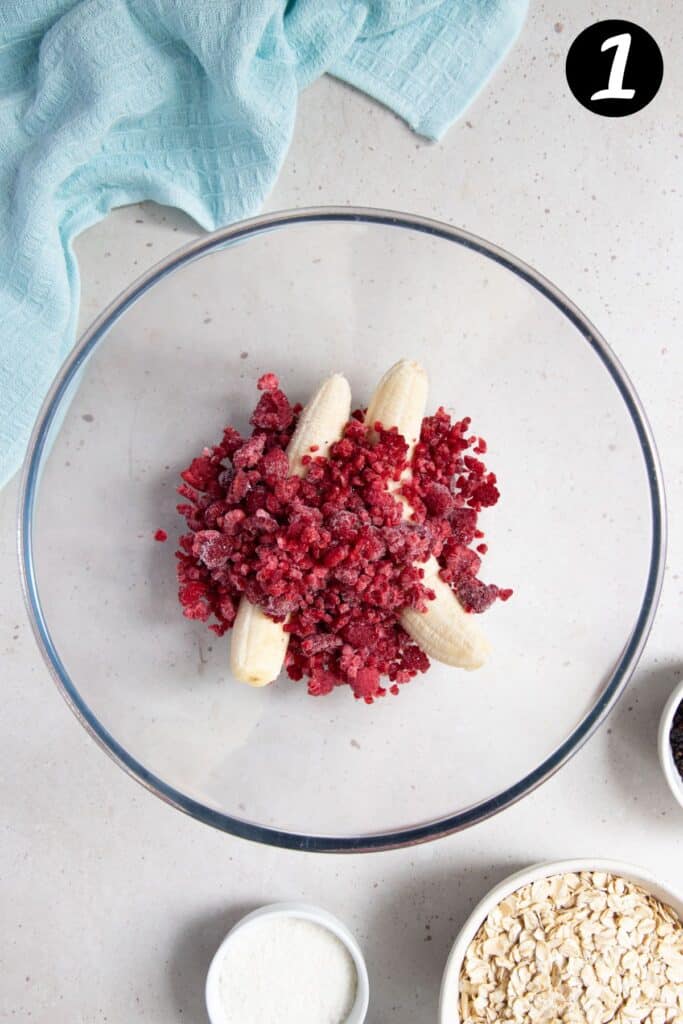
{"x":190,"y":103}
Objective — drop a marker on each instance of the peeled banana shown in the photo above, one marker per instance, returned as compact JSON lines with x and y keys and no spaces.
{"x":445,"y":631}
{"x":400,"y":400}
{"x":258,"y":645}
{"x":321,"y":422}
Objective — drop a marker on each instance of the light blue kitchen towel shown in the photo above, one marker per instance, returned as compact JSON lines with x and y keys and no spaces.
{"x":190,"y":103}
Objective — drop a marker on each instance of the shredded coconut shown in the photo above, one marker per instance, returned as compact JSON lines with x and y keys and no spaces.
{"x":286,"y":969}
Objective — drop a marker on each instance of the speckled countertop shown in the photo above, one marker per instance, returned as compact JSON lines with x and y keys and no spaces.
{"x":113,"y":902}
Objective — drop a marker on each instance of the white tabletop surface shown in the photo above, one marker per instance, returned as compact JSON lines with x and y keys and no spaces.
{"x":112,"y":902}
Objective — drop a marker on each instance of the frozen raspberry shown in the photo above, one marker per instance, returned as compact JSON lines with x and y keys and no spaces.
{"x":438,"y":499}
{"x":485,"y":494}
{"x":268,"y":382}
{"x":474,"y":595}
{"x":200,"y":472}
{"x":331,"y":555}
{"x":275,"y":465}
{"x":366,"y":683}
{"x":250,"y":452}
{"x":273,"y":411}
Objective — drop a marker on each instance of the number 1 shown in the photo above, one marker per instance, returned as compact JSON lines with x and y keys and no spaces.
{"x":615,"y":85}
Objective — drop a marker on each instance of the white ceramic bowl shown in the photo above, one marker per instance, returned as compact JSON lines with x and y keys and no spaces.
{"x":449,"y":1008}
{"x":308,"y":913}
{"x":665,"y":753}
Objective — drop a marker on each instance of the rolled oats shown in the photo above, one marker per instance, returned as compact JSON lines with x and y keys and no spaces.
{"x":588,"y":948}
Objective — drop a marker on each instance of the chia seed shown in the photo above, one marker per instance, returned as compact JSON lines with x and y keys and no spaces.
{"x":676,"y":739}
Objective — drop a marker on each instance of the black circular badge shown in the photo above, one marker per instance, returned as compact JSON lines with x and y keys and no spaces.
{"x":614,"y":68}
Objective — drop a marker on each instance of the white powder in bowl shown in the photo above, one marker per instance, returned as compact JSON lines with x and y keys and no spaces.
{"x":282,"y":969}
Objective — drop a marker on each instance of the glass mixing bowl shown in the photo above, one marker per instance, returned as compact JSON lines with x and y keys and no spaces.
{"x":578,"y":532}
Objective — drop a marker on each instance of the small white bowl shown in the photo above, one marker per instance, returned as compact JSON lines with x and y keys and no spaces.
{"x":449,"y":1004}
{"x":666,"y":756}
{"x":308,"y":913}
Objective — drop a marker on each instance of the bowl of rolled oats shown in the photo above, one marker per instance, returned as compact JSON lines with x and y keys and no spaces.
{"x":569,"y":942}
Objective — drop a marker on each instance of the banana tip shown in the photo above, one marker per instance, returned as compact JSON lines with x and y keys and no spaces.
{"x":409,"y":364}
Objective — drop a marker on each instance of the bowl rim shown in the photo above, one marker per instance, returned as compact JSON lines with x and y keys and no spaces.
{"x":449,"y":1009}
{"x":391,"y":838}
{"x":666,"y":758}
{"x":306,"y":912}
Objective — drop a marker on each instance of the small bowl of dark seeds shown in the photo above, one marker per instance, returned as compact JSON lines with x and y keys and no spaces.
{"x":671,"y":742}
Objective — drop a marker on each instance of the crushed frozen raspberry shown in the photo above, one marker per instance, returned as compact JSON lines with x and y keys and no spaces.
{"x":161,"y":535}
{"x":273,"y":411}
{"x":366,"y":683}
{"x":250,"y":452}
{"x":457,"y":560}
{"x":268,"y":382}
{"x":474,"y":595}
{"x":330,"y":554}
{"x":199,"y":473}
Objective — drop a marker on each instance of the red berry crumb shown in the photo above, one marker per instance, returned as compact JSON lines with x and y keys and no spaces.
{"x":268,"y":382}
{"x":331,"y":553}
{"x":161,"y":535}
